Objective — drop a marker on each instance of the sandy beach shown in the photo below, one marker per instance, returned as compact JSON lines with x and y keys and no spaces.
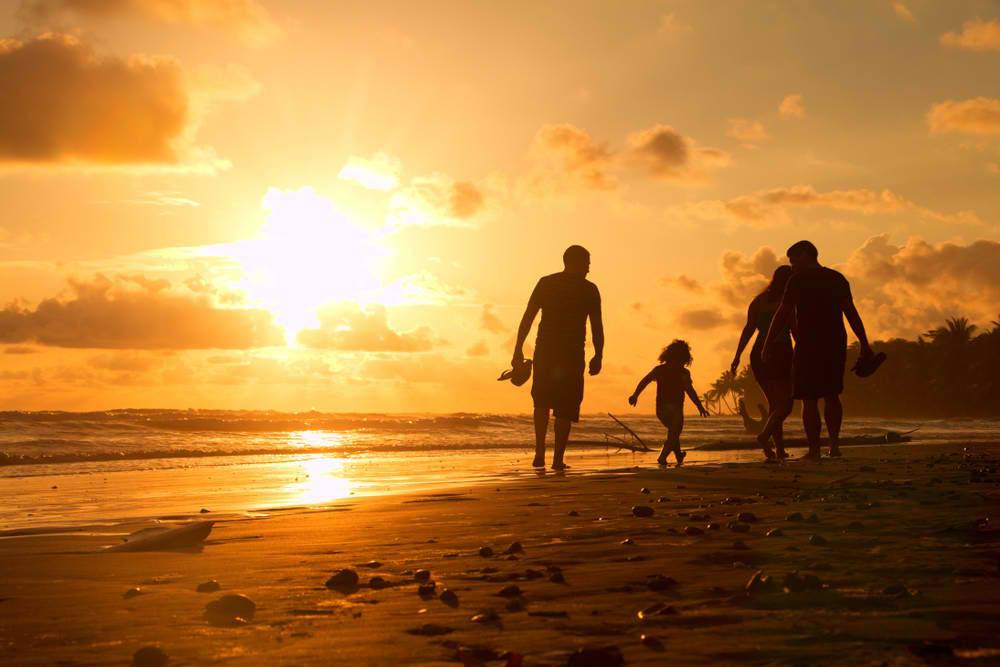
{"x":888,"y":556}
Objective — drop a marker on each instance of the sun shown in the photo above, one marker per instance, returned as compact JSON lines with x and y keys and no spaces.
{"x":308,"y":253}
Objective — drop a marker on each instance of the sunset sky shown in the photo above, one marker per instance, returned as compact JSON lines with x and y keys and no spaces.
{"x":343,"y":206}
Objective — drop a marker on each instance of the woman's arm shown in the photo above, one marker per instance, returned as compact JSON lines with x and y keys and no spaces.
{"x":748,"y":330}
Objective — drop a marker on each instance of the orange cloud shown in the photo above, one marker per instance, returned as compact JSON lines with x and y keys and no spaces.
{"x":792,"y":106}
{"x":576,"y":153}
{"x":73,"y":106}
{"x":478,"y":349}
{"x":747,"y":131}
{"x":490,"y":322}
{"x":769,"y":207}
{"x":435,"y":200}
{"x":701,"y":319}
{"x":247,"y":18}
{"x":127,"y":313}
{"x":979,"y":115}
{"x":666,"y":154}
{"x":349,"y":328}
{"x":977,"y":35}
{"x":902,"y":11}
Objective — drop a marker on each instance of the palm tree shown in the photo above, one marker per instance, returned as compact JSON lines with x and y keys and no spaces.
{"x":956,"y":333}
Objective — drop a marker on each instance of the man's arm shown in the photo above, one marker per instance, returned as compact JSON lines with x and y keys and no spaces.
{"x":857,"y":326}
{"x":523,"y":329}
{"x":597,"y":329}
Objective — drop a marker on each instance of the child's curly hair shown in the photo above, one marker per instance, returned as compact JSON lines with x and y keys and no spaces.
{"x":678,"y":351}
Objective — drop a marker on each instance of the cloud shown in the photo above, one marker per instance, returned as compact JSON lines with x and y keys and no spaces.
{"x":686,"y":283}
{"x":747,"y":131}
{"x":135,"y":313}
{"x":379,"y":172}
{"x":770,"y":207}
{"x":902,"y":11}
{"x":490,"y":322}
{"x":701,"y":319}
{"x":978,"y":115}
{"x":432,"y":369}
{"x":575,"y":153}
{"x":245,"y":18}
{"x":792,"y":106}
{"x":905,"y":290}
{"x":72,"y":105}
{"x":479,"y":349}
{"x":435,"y":200}
{"x":347,"y":327}
{"x":662,"y":152}
{"x":743,"y":277}
{"x":977,"y":35}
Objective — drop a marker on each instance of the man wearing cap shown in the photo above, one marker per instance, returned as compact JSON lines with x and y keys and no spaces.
{"x":815,"y":303}
{"x":567,"y":299}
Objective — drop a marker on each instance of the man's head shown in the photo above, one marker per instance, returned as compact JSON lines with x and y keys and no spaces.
{"x":576,"y":259}
{"x":803,"y":254}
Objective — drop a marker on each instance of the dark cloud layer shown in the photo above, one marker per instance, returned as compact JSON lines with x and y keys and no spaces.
{"x":119,"y":314}
{"x":72,"y":105}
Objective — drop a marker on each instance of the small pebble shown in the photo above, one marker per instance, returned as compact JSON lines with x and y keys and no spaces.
{"x":557,"y":578}
{"x":378,"y":583}
{"x":775,"y":532}
{"x":230,"y":610}
{"x":628,"y":542}
{"x":131,"y":593}
{"x":209,"y":586}
{"x":574,"y":513}
{"x":150,"y":656}
{"x":693,"y":531}
{"x":485,"y":552}
{"x":740,"y":545}
{"x":746,"y":517}
{"x":644,"y":491}
{"x":642,"y":511}
{"x":449,"y":597}
{"x":427,"y":590}
{"x":794,"y":516}
{"x":422,"y":575}
{"x":486,"y":616}
{"x":817,"y":540}
{"x":510,"y":591}
{"x":515,"y":548}
{"x":345,"y":581}
{"x":651,"y":642}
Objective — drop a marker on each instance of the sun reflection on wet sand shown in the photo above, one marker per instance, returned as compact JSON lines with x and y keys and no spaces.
{"x":322,"y":481}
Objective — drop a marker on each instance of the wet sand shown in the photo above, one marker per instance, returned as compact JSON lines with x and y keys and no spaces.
{"x":896,"y":560}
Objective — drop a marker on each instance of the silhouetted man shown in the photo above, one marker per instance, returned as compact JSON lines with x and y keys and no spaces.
{"x":566,"y":300}
{"x":814,"y":305}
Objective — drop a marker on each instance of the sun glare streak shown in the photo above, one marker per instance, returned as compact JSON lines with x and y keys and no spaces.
{"x":324,"y":482}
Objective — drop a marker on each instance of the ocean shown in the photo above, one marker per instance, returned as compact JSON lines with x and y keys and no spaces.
{"x":61,"y":470}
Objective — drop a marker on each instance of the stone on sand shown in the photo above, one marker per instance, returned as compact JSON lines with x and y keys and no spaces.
{"x":232,"y":609}
{"x":485,"y":552}
{"x":515,"y":548}
{"x":651,"y":642}
{"x":644,"y":491}
{"x":659,"y":582}
{"x":132,"y":592}
{"x":430,"y":630}
{"x":150,"y":656}
{"x":817,"y":540}
{"x":693,"y":531}
{"x":378,"y":583}
{"x":344,"y":581}
{"x":209,"y":586}
{"x":486,"y":616}
{"x":794,"y":516}
{"x":775,"y":532}
{"x":422,"y":575}
{"x":510,"y":591}
{"x":747,"y":517}
{"x":557,"y":578}
{"x":427,"y":590}
{"x":449,"y":597}
{"x":759,"y":583}
{"x":642,"y":511}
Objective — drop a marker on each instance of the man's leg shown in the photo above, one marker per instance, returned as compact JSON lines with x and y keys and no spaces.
{"x":541,"y":430}
{"x":812,"y":425}
{"x":562,"y":429}
{"x":833,"y":414}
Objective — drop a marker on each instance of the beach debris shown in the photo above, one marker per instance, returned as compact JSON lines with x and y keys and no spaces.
{"x":449,"y":597}
{"x":150,"y":656}
{"x":747,"y":517}
{"x":775,"y":532}
{"x":485,"y":552}
{"x":659,"y":582}
{"x":132,"y":592}
{"x":515,"y":548}
{"x":628,"y":542}
{"x":430,"y":630}
{"x":651,"y":642}
{"x":642,"y":511}
{"x":645,"y":491}
{"x":427,"y":590}
{"x":378,"y":583}
{"x":656,"y":609}
{"x":166,"y":539}
{"x":371,"y":565}
{"x":606,"y":656}
{"x":759,"y":583}
{"x":692,"y":531}
{"x":232,"y":609}
{"x":794,"y":516}
{"x":209,"y":586}
{"x":486,"y":616}
{"x":343,"y":581}
{"x":510,"y":591}
{"x":422,"y":575}
{"x":817,"y":540}
{"x":573,"y":513}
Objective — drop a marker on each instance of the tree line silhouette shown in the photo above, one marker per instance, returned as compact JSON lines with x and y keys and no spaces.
{"x":950,"y":371}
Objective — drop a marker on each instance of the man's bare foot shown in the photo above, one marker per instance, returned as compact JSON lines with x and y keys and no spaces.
{"x":559,"y":465}
{"x":538,"y":463}
{"x":835,"y":453}
{"x":765,"y":445}
{"x":680,"y":456}
{"x":661,"y":461}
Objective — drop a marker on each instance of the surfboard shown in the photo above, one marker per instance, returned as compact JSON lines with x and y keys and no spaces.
{"x":645,"y":447}
{"x":181,"y":537}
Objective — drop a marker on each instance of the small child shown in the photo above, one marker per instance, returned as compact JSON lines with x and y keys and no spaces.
{"x":673,"y":380}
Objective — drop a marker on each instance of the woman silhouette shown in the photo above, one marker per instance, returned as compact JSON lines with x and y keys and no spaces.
{"x":774,"y":376}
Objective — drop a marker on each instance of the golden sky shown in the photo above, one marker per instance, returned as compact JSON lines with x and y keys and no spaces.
{"x":315,"y":204}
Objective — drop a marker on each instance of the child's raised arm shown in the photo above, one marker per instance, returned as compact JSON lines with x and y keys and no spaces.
{"x":693,"y":395}
{"x":634,"y":398}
